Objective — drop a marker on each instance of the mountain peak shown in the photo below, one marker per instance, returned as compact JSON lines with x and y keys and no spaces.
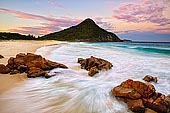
{"x":88,"y":21}
{"x":87,"y":31}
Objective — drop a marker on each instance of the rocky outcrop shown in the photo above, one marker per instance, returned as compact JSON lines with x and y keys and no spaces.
{"x":34,"y":65}
{"x":1,"y":56}
{"x":138,"y":96}
{"x":93,"y":65}
{"x":150,"y":78}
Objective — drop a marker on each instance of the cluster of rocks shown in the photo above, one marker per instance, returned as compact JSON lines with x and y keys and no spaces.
{"x":32,"y":64}
{"x":93,"y":65}
{"x":140,"y":96}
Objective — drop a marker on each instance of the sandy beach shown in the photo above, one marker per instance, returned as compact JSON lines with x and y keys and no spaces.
{"x":10,"y":49}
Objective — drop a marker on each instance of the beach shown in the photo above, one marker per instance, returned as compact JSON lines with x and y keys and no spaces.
{"x":72,"y":90}
{"x":9,"y":49}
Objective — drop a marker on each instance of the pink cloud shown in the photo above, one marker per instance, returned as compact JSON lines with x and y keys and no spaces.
{"x":163,"y":31}
{"x":50,"y":24}
{"x":104,"y":25}
{"x":142,"y":11}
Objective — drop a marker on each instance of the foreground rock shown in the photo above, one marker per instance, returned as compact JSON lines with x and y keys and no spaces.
{"x":34,"y":65}
{"x":150,"y":78}
{"x":138,"y":96}
{"x":93,"y":65}
{"x":1,"y":56}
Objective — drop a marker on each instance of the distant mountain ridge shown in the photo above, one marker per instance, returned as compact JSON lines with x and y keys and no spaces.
{"x":86,"y":31}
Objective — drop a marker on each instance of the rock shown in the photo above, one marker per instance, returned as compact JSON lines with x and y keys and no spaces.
{"x":32,"y":64}
{"x":93,"y":71}
{"x":36,"y":72}
{"x":51,"y":65}
{"x":145,"y":89}
{"x":158,"y":102}
{"x":14,"y":72}
{"x":22,"y":68}
{"x":142,"y":88}
{"x":136,"y":106}
{"x":126,"y":92}
{"x":20,"y":55}
{"x":149,"y":78}
{"x":147,"y":110}
{"x":138,"y":96}
{"x":11,"y":63}
{"x":1,"y":56}
{"x":4,"y":69}
{"x":93,"y":65}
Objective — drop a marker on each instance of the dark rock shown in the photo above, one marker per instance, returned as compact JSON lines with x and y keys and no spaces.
{"x":1,"y":56}
{"x":36,"y":72}
{"x":149,"y":78}
{"x":14,"y":72}
{"x":22,"y":68}
{"x":4,"y":69}
{"x":11,"y":63}
{"x":93,"y":65}
{"x":136,"y":106}
{"x":93,"y":71}
{"x":158,"y":102}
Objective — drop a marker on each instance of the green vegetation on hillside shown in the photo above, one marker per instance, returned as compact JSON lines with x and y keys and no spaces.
{"x":15,"y":36}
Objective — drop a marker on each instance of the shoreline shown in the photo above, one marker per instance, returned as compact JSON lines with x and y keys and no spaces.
{"x":9,"y":48}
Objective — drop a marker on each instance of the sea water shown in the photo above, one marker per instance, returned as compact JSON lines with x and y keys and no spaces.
{"x":73,"y":91}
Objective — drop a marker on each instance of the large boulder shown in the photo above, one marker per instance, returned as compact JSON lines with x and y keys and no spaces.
{"x":4,"y":69}
{"x":93,"y":65}
{"x":138,"y":96}
{"x":126,"y":92}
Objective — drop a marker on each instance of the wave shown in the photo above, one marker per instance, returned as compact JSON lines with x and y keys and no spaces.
{"x":73,"y":91}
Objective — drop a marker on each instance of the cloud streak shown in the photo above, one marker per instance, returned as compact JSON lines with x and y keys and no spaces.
{"x":48,"y":25}
{"x":142,"y":11}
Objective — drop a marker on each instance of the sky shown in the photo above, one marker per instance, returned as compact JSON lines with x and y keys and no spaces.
{"x":138,"y":20}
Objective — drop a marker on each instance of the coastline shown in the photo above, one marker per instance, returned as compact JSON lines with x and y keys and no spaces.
{"x":9,"y":49}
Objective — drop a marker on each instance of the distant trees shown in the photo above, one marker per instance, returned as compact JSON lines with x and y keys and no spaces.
{"x":15,"y":36}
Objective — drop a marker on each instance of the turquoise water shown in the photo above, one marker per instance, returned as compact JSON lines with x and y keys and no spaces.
{"x":73,"y":91}
{"x":147,"y":47}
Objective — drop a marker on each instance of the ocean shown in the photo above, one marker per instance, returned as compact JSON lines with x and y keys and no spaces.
{"x":73,"y":91}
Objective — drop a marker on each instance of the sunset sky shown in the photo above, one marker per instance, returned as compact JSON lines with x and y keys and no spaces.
{"x":139,"y":20}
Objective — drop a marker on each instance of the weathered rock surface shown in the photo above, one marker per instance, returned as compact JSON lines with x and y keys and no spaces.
{"x":150,"y":78}
{"x":4,"y":69}
{"x":1,"y":56}
{"x":139,"y":96}
{"x":93,"y":65}
{"x":34,"y":65}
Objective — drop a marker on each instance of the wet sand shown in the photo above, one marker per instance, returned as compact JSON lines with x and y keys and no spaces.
{"x":10,"y":49}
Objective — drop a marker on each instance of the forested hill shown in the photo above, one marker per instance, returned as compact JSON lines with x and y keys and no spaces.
{"x":86,"y":31}
{"x":15,"y":36}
